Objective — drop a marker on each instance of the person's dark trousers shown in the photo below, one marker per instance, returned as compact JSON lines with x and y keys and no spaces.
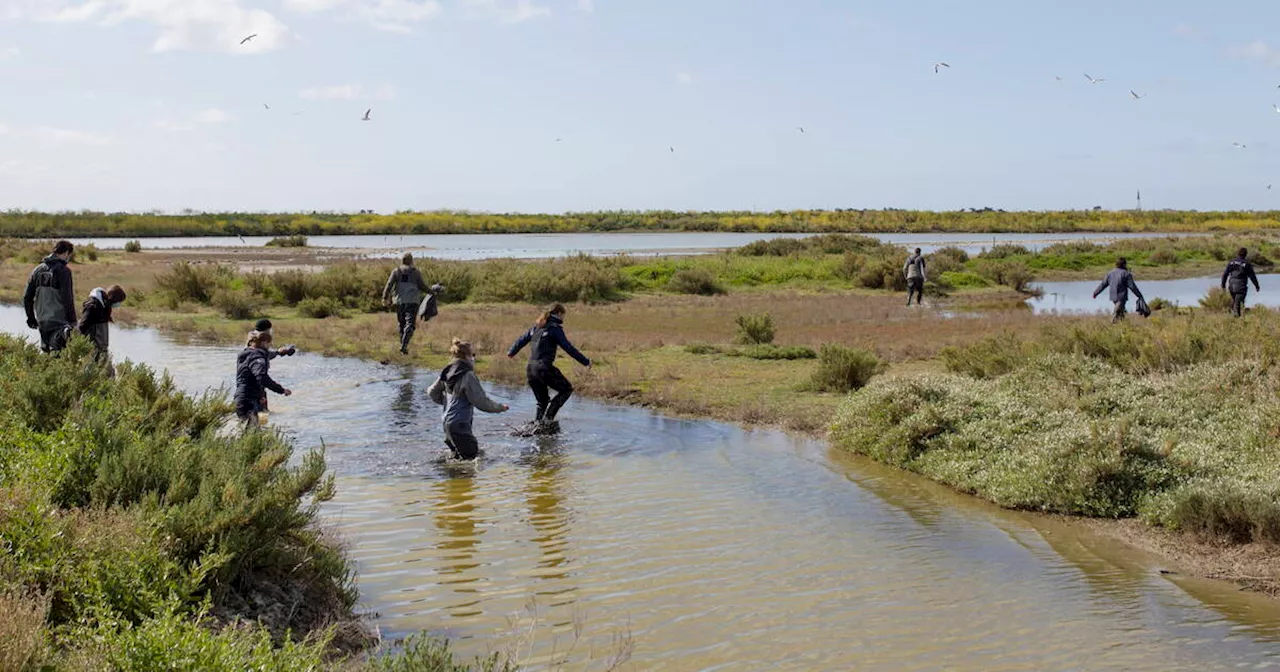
{"x":1237,"y":303}
{"x":461,"y":442}
{"x":915,"y":286}
{"x":247,"y":414}
{"x":543,"y":378}
{"x":54,"y":337}
{"x":1120,"y":310}
{"x":406,"y":314}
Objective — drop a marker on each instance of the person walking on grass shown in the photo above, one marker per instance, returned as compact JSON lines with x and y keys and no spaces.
{"x":253,"y":379}
{"x":50,"y":298}
{"x":1120,"y":282}
{"x":546,"y":335}
{"x":1236,"y":278}
{"x":914,"y":270}
{"x":406,"y":286}
{"x":95,"y":321}
{"x":459,"y":391}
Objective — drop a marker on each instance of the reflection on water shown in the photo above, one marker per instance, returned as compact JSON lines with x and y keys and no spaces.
{"x":713,"y":546}
{"x":1077,"y":296}
{"x":543,"y":245}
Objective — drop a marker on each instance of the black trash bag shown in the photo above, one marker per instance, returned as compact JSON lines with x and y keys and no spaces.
{"x":1142,"y":308}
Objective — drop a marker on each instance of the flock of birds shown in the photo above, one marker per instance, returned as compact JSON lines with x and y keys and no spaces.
{"x":937,"y":69}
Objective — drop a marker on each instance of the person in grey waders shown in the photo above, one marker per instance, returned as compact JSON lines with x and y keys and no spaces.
{"x":1120,"y":281}
{"x":914,"y":270}
{"x":1236,"y":278}
{"x":459,"y":391}
{"x":406,"y":286}
{"x":50,"y":299}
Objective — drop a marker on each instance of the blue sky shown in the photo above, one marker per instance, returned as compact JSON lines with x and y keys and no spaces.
{"x":154,"y":104}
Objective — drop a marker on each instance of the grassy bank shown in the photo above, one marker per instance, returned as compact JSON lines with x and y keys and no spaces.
{"x":1171,"y":420}
{"x":986,"y":220}
{"x":137,"y":535}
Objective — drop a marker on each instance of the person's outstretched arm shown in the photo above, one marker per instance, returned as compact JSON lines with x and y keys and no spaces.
{"x":1103,"y":285}
{"x":1254,"y":277}
{"x":391,"y":283}
{"x":477,"y":396}
{"x":563,"y":342}
{"x":436,"y":391}
{"x":520,"y":343}
{"x":258,"y":368}
{"x":1133,"y":287}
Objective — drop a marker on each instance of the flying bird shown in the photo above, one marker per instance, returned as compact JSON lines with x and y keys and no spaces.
{"x":266,"y":106}
{"x":1238,"y":145}
{"x":366,"y":116}
{"x":1136,"y":96}
{"x":1268,"y":187}
{"x":939,"y":64}
{"x":1057,"y":78}
{"x":1092,"y":80}
{"x":247,"y":39}
{"x":800,"y":128}
{"x":558,"y":140}
{"x":673,"y":149}
{"x":1276,"y":108}
{"x":241,"y":237}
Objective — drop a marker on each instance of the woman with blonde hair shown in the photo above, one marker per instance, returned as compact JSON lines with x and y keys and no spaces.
{"x":459,"y":391}
{"x":253,"y":378}
{"x":546,"y":336}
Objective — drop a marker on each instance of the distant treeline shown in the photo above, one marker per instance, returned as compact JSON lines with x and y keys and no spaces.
{"x":76,"y":224}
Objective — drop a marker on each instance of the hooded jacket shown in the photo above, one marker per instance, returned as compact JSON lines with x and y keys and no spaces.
{"x":459,"y":391}
{"x":252,"y":376}
{"x":545,"y":340}
{"x":95,"y":315}
{"x":50,"y":298}
{"x":1120,"y":280}
{"x":406,"y":285}
{"x":1236,"y":276}
{"x":915,"y":267}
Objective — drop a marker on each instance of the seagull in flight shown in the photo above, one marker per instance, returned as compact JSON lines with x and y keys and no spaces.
{"x":939,"y":64}
{"x":1092,"y":80}
{"x":1238,"y":145}
{"x":366,"y":116}
{"x":800,"y":128}
{"x":247,"y":39}
{"x":673,"y":149}
{"x":1057,"y":78}
{"x":1276,"y":108}
{"x":1136,"y":96}
{"x":266,"y":106}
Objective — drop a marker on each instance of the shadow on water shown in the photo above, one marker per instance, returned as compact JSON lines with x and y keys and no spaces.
{"x":715,"y":547}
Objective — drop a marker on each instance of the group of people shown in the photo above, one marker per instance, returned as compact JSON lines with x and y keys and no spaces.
{"x":50,"y":305}
{"x":1118,"y":283}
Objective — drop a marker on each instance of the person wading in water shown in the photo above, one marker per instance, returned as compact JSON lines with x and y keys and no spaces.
{"x":546,"y":336}
{"x":459,"y":391}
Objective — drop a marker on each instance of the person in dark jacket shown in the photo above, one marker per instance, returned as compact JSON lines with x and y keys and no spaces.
{"x":1236,"y":278}
{"x":914,"y":272}
{"x":544,"y":338}
{"x":459,"y":391}
{"x":50,"y":298}
{"x":253,"y":378}
{"x":264,"y":326}
{"x":95,"y":319}
{"x":406,"y":286}
{"x":1120,"y":281}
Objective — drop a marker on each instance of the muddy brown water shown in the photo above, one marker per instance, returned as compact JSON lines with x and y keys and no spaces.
{"x":709,"y":546}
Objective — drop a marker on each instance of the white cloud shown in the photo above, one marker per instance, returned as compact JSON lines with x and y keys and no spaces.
{"x":212,"y":116}
{"x":9,"y":53}
{"x":348,"y":92}
{"x":587,"y":5}
{"x":1258,"y":50}
{"x":50,"y":135}
{"x":207,"y":25}
{"x":392,"y":15}
{"x":684,"y":79}
{"x":514,"y":11}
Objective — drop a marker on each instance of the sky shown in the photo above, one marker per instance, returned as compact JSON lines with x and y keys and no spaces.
{"x":575,"y":105}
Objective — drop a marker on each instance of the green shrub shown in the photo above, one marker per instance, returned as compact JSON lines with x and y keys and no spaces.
{"x":1163,"y":257}
{"x":1012,"y":274}
{"x":842,"y":369}
{"x":292,"y":285}
{"x":987,"y":358}
{"x":236,"y":304}
{"x":288,"y":241}
{"x":1158,"y":304}
{"x":850,"y":267}
{"x":1218,"y":299}
{"x":754,"y":329}
{"x":320,"y":308}
{"x":694,"y":281}
{"x":771,"y":351}
{"x":133,"y":246}
{"x":776,"y":247}
{"x":955,"y":254}
{"x":456,"y":277}
{"x":963,"y":280}
{"x":428,"y":654}
{"x":939,"y":264}
{"x":580,"y":278}
{"x":196,"y":283}
{"x":703,"y":349}
{"x":1004,"y":251}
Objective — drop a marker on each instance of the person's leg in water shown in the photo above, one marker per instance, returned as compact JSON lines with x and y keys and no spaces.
{"x":1237,"y":304}
{"x":247,"y":414}
{"x":406,"y":315}
{"x":534,"y":375}
{"x":461,"y":442}
{"x":564,"y":389}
